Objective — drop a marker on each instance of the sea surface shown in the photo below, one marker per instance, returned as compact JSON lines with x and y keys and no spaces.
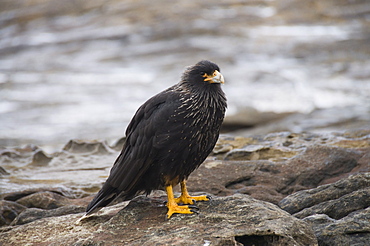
{"x":79,"y":70}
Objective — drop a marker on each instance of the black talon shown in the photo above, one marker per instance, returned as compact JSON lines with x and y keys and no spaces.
{"x":194,"y":211}
{"x":193,"y":207}
{"x":209,"y":197}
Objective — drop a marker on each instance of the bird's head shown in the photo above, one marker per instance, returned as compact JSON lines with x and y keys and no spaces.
{"x":204,"y":72}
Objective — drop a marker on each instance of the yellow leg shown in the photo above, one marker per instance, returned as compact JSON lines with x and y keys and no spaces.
{"x":173,"y":207}
{"x":185,"y":198}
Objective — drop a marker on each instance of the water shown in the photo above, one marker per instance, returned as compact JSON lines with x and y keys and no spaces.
{"x":81,"y":73}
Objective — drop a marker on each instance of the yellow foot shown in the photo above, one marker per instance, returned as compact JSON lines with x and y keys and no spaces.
{"x":176,"y":209}
{"x":186,"y":199}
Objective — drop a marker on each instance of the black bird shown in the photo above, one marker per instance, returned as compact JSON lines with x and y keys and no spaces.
{"x":169,"y":136}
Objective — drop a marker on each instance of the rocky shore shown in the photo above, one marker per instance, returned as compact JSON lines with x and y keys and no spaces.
{"x":276,"y":189}
{"x":79,"y":69}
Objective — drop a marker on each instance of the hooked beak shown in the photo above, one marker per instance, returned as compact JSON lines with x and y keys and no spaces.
{"x":216,"y":77}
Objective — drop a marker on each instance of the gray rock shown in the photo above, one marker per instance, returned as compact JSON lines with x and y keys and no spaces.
{"x":353,"y":229}
{"x":44,"y":200}
{"x":339,"y":213}
{"x":32,"y":204}
{"x":9,"y":211}
{"x":247,"y":117}
{"x":40,"y":159}
{"x":307,"y":198}
{"x":232,"y":220}
{"x":258,"y":152}
{"x":90,"y":147}
{"x":341,"y":207}
{"x":3,"y":172}
{"x":318,"y":219}
{"x":16,"y":195}
{"x":32,"y":214}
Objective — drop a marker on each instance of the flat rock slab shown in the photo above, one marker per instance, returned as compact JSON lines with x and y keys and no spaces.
{"x":232,"y":220}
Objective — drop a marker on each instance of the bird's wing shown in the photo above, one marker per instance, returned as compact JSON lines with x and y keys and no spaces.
{"x":137,"y":154}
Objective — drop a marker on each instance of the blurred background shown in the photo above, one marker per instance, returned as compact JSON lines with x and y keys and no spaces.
{"x":77,"y":69}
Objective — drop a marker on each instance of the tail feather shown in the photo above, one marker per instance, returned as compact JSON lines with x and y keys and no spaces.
{"x":104,"y":197}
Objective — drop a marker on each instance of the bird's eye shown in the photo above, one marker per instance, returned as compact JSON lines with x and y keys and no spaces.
{"x":202,"y":73}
